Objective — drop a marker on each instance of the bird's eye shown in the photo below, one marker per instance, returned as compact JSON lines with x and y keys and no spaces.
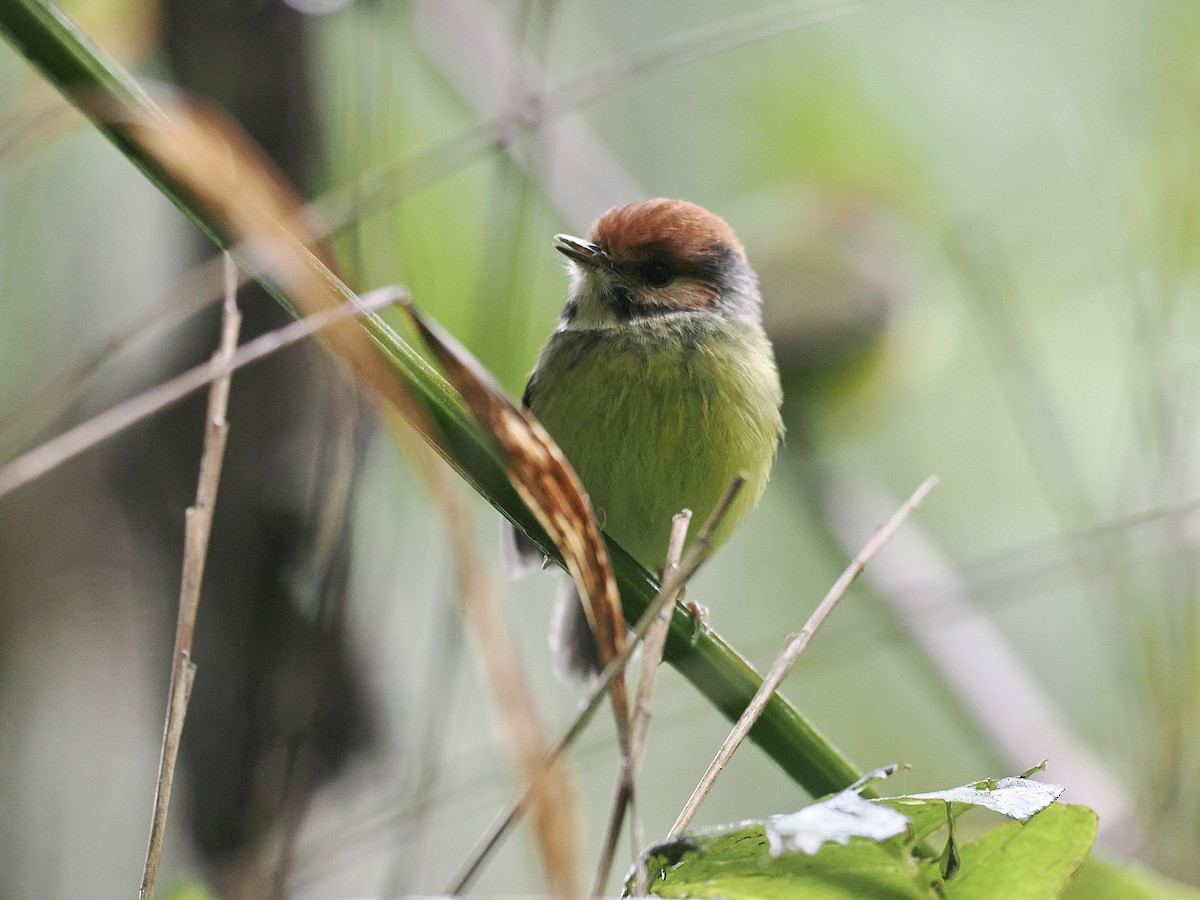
{"x":659,"y":274}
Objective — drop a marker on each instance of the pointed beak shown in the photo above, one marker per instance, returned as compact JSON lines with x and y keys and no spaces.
{"x":585,"y":253}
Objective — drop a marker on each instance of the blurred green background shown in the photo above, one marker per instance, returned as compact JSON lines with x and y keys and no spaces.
{"x":976,"y":228}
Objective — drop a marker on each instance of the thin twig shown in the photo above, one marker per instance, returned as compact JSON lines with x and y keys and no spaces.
{"x":652,"y":651}
{"x":934,"y":603}
{"x":623,"y":800}
{"x":54,"y":452}
{"x":656,"y":640}
{"x":673,"y":582}
{"x":792,"y":649}
{"x":198,"y":528}
{"x":193,"y":291}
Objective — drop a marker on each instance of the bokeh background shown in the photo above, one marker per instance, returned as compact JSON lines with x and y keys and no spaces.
{"x":976,"y":226}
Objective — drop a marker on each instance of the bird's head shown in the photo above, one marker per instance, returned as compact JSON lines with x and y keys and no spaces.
{"x":656,"y":257}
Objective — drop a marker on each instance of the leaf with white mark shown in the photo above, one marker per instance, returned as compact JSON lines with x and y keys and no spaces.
{"x":835,"y":819}
{"x":1018,"y":798}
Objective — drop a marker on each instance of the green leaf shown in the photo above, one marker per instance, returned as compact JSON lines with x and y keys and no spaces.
{"x":738,"y":864}
{"x":1033,"y":861}
{"x":846,"y":846}
{"x":1105,"y":879}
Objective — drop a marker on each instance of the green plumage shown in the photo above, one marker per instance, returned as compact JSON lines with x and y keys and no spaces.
{"x":659,"y":415}
{"x":659,"y":384}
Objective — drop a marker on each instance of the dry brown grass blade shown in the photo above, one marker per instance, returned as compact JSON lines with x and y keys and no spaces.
{"x":548,"y":485}
{"x":224,"y":171}
{"x":550,"y":488}
{"x":552,"y":799}
{"x":275,"y":233}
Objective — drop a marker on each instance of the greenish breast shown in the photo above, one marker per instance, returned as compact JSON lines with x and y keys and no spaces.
{"x":661,"y":418}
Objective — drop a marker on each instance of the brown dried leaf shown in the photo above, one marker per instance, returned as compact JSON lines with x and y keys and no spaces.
{"x":546,"y":482}
{"x":552,"y":799}
{"x":207,"y":155}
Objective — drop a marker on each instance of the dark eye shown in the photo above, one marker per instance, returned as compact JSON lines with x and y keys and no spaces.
{"x":659,"y":274}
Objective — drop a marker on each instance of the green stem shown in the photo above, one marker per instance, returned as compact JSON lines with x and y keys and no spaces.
{"x":63,"y":54}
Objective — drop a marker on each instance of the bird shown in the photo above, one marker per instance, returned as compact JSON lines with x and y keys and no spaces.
{"x":658,"y":383}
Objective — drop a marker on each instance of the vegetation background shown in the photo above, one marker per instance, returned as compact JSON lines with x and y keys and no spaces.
{"x":976,"y":226}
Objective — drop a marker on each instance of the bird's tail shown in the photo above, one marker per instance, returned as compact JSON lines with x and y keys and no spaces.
{"x":571,"y":640}
{"x":575,"y":653}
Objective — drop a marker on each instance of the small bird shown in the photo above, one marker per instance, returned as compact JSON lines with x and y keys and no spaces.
{"x":659,"y":384}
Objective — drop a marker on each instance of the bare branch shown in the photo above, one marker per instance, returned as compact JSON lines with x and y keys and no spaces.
{"x":54,"y":452}
{"x":792,"y":649}
{"x":656,"y":639}
{"x":198,"y":528}
{"x":652,"y":652}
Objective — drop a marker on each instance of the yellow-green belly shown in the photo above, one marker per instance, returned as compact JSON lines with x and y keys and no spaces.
{"x":662,"y":420}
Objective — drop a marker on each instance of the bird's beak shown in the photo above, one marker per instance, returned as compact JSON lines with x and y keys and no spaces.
{"x":583,"y":252}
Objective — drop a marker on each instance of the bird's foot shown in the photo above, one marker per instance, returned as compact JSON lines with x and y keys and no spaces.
{"x":699,"y":619}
